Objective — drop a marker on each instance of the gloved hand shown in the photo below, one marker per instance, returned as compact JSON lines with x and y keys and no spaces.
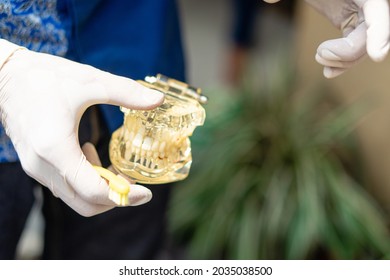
{"x":366,"y":29}
{"x":42,"y":98}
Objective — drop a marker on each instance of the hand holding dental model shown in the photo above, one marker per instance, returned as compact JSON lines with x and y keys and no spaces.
{"x":42,"y":98}
{"x":366,"y":29}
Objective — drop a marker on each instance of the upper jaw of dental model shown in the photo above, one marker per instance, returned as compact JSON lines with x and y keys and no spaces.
{"x":154,"y":153}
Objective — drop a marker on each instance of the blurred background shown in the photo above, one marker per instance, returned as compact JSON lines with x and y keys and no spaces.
{"x":289,"y":165}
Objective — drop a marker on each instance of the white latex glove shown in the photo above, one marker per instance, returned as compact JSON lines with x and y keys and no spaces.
{"x":365,"y":27}
{"x":42,"y":98}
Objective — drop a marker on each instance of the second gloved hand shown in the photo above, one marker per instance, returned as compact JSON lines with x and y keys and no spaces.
{"x":366,"y":29}
{"x":42,"y":98}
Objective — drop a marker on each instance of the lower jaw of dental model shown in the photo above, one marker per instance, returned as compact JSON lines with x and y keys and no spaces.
{"x":148,"y":159}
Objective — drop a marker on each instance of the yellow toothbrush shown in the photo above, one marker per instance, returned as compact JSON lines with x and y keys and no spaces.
{"x":119,"y":187}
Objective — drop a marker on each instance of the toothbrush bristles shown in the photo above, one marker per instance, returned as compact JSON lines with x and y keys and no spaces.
{"x":118,"y":198}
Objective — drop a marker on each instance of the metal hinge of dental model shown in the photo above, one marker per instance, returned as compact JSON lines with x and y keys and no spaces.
{"x":177,"y":87}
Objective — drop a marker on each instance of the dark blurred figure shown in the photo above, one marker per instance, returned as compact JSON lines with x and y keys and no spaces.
{"x":243,"y":35}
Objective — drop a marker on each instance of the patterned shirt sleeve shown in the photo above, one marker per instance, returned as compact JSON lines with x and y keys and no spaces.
{"x":36,"y":25}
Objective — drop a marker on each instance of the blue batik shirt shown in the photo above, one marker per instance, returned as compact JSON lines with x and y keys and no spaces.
{"x":130,"y":38}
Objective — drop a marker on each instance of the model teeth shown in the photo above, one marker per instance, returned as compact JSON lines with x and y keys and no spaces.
{"x":155,"y":145}
{"x":137,"y":142}
{"x":162,"y":147}
{"x":147,"y":144}
{"x":154,"y":150}
{"x":128,"y":150}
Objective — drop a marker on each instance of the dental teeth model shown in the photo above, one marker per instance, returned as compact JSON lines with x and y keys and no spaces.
{"x":153,"y":147}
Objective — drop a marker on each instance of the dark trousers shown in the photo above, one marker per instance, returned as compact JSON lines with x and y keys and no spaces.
{"x":122,"y":233}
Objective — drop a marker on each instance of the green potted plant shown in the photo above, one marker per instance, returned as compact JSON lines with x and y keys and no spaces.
{"x":272,"y":179}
